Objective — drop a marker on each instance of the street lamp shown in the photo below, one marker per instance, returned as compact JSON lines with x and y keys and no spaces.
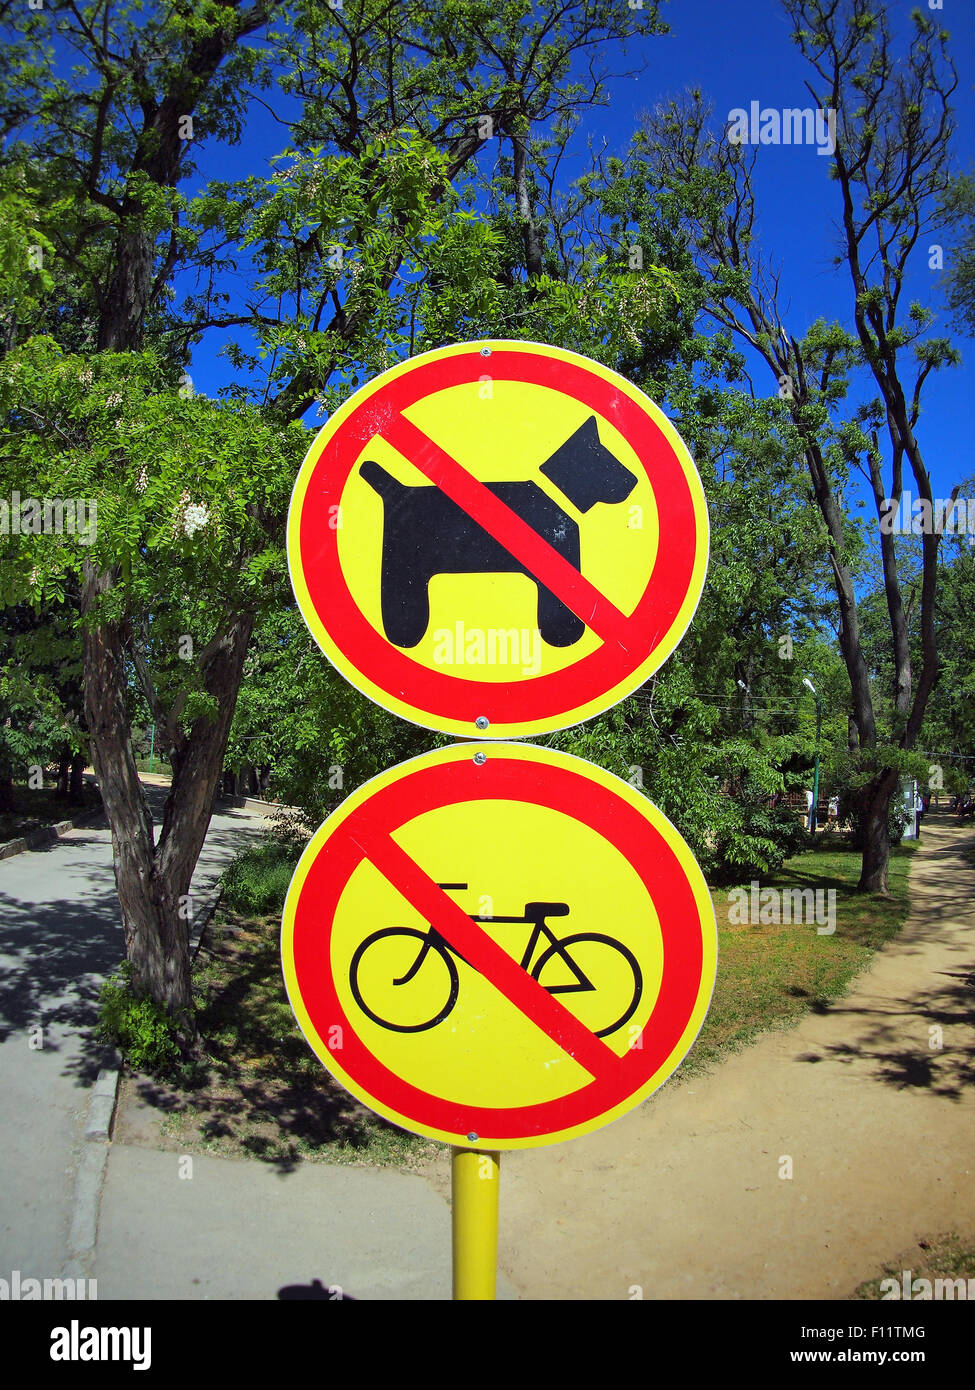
{"x":815,"y":796}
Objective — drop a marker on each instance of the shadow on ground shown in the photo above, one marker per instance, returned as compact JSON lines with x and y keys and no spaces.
{"x":55,"y":954}
{"x":940,"y":1062}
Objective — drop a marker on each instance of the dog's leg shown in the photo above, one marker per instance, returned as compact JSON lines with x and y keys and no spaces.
{"x":405,"y":604}
{"x":558,"y":625}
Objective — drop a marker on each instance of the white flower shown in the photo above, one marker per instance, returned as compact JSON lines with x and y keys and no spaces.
{"x":114,"y":399}
{"x":195,"y":517}
{"x":86,"y":377}
{"x":142,"y":481}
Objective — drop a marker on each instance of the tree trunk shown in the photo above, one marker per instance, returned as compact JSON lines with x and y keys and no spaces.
{"x":875,"y":832}
{"x":76,"y":788}
{"x":64,"y":764}
{"x":529,"y":227}
{"x":153,"y":878}
{"x":122,"y":319}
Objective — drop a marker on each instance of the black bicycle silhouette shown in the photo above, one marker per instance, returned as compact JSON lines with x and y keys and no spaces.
{"x":432,"y":942}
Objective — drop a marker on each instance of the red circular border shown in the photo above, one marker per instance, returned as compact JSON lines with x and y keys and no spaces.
{"x":454,"y":697}
{"x":541,"y":784}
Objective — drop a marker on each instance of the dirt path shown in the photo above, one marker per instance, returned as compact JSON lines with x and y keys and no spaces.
{"x":683,"y":1197}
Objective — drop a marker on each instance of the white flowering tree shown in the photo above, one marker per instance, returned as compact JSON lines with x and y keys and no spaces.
{"x":360,"y":245}
{"x":179,"y":554}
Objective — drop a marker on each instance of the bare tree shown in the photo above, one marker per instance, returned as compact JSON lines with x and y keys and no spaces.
{"x":891,"y":166}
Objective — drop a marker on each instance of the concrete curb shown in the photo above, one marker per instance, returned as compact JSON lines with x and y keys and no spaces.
{"x":87,"y":1194}
{"x":101,"y":1105}
{"x":91,"y":1169}
{"x":37,"y":839}
{"x":254,"y":803}
{"x":201,"y":919}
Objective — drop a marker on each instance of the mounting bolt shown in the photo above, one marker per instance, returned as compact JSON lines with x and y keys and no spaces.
{"x":480,"y":758}
{"x":482,"y":721}
{"x":472,"y":1138}
{"x":485,"y":352}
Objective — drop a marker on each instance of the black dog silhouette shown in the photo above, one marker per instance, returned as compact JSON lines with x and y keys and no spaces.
{"x":425,"y":533}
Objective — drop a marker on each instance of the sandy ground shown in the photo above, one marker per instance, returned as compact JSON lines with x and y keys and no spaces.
{"x":683,"y":1198}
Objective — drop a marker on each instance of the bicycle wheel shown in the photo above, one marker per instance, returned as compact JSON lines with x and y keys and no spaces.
{"x":390,"y":969}
{"x":607,"y":974}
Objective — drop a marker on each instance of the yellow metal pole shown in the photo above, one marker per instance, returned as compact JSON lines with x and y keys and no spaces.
{"x":475,"y":1179}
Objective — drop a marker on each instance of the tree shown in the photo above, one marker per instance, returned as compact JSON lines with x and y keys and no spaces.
{"x":344,"y":251}
{"x":177,"y":516}
{"x":891,"y":166}
{"x":958,"y":207}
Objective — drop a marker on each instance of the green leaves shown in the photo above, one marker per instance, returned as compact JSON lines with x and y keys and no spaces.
{"x":174,"y":504}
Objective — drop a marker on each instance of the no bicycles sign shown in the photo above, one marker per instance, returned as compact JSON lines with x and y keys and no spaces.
{"x":499,"y":946}
{"x":500,"y":538}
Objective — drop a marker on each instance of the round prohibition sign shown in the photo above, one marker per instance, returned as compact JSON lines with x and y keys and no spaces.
{"x":498,"y":539}
{"x":565,"y":998}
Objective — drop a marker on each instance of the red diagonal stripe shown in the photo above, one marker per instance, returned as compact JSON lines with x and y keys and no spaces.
{"x":485,"y":955}
{"x":506,"y":527}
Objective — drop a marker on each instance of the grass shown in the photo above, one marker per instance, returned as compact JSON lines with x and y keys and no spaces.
{"x":261,"y":1091}
{"x":768,"y":976}
{"x":159,"y":765}
{"x":947,"y":1256}
{"x":256,"y":882}
{"x":35,"y":809}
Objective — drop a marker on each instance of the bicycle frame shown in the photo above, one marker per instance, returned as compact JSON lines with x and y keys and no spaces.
{"x":535,"y":913}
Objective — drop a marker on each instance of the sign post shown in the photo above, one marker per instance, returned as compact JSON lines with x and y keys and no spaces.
{"x":475,"y":1177}
{"x":497,"y":945}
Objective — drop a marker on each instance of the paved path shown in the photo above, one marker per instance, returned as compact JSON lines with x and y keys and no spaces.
{"x":213,"y":1228}
{"x":179,"y":1228}
{"x":60,"y":936}
{"x":683,"y":1199}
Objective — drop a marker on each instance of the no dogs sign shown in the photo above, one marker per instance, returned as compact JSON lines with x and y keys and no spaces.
{"x":499,"y":945}
{"x":498,"y":539}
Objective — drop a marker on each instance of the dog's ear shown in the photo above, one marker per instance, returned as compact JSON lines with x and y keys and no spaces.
{"x":585,"y":470}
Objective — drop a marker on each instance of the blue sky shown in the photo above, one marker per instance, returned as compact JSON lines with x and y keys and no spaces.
{"x":738,"y":54}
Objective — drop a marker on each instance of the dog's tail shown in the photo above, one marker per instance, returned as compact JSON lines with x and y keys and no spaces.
{"x":379,"y":480}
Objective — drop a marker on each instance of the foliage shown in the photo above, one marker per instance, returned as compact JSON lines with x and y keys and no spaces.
{"x":172,"y":502}
{"x":41,"y":719}
{"x":850,"y":777}
{"x":140,"y":1028}
{"x":256,"y":880}
{"x":959,"y":279}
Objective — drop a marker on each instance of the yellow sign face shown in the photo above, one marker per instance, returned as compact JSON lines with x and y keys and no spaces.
{"x":499,"y":946}
{"x":475,"y":539}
